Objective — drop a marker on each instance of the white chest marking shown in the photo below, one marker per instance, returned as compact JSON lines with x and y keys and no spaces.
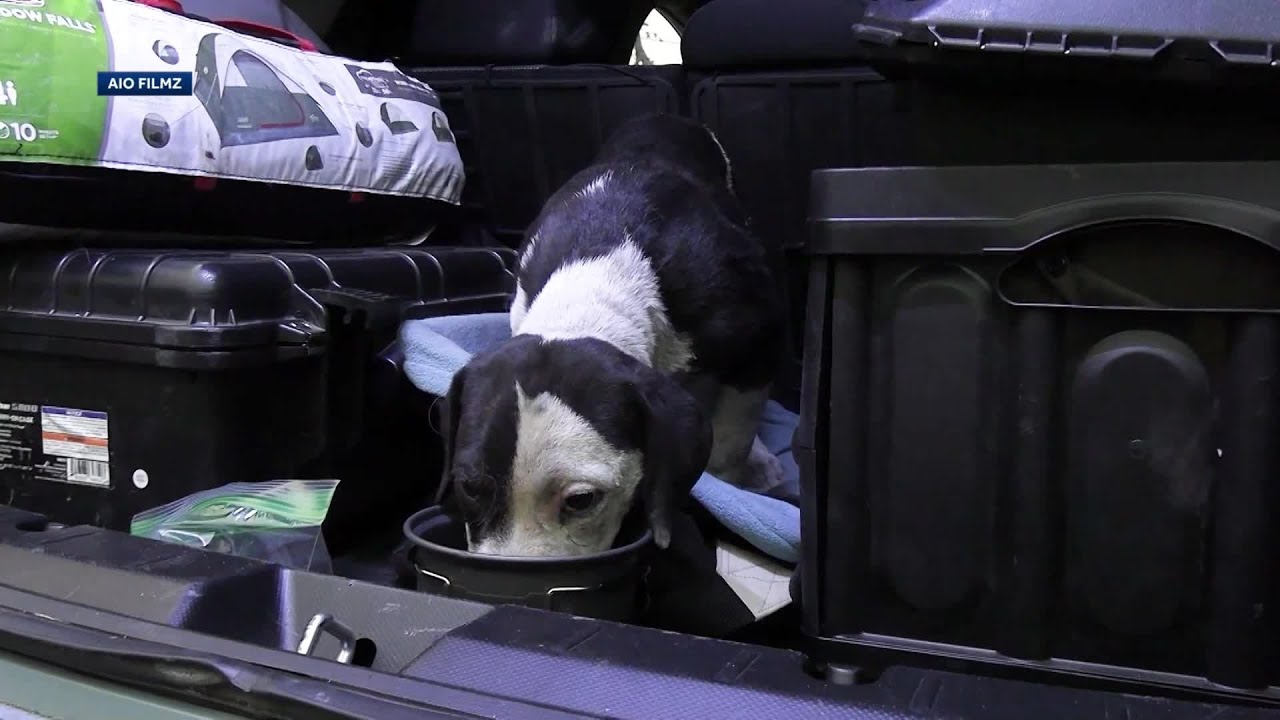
{"x":595,"y":187}
{"x":614,"y":298}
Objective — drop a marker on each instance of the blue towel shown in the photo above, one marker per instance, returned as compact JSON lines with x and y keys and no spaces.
{"x":436,"y":348}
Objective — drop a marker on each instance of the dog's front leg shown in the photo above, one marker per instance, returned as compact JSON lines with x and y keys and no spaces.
{"x":704,"y":387}
{"x":737,"y":455}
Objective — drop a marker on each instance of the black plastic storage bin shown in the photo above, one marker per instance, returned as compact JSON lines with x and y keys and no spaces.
{"x":1039,"y":422}
{"x":1186,"y":41}
{"x":132,"y":378}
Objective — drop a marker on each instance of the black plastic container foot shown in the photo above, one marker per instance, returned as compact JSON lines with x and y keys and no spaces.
{"x":837,"y":674}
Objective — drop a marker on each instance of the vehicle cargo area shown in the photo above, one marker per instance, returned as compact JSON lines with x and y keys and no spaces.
{"x":1027,"y":424}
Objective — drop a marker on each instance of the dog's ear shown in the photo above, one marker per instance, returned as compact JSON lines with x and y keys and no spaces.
{"x":451,"y":410}
{"x":676,"y":449}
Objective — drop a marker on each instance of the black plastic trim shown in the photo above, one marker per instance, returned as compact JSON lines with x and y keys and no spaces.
{"x":159,"y":657}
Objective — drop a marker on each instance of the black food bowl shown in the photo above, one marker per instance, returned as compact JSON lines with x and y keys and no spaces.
{"x":607,"y":585}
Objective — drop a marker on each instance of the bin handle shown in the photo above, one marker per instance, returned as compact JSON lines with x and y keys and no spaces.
{"x":321,"y":622}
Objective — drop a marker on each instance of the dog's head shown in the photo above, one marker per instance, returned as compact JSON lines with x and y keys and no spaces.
{"x":549,"y":444}
{"x":679,"y":141}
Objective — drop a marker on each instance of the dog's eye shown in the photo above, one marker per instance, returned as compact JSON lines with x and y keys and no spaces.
{"x":581,"y":501}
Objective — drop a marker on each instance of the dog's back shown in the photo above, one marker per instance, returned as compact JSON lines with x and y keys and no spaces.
{"x":662,"y":186}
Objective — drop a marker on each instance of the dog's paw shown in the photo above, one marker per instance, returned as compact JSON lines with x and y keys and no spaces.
{"x":759,"y":472}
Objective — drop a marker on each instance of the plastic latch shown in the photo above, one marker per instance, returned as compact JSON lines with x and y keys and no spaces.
{"x":876,"y":35}
{"x":322,"y":623}
{"x":377,"y":307}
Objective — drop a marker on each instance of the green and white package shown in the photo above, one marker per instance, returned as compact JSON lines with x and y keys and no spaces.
{"x":258,"y":110}
{"x":49,"y":103}
{"x":277,"y":521}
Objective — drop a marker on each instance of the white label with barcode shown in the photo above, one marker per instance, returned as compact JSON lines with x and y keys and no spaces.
{"x":89,"y":472}
{"x":81,"y":437}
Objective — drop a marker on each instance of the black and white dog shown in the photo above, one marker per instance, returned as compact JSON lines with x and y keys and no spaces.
{"x":646,"y":328}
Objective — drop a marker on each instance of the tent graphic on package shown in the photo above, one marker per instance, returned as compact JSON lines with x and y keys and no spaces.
{"x":248,"y":100}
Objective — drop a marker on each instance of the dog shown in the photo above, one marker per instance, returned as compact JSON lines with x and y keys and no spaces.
{"x":646,"y":329}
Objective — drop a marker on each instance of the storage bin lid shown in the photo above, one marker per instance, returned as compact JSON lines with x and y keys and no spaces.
{"x":973,"y":210}
{"x":1238,"y":33}
{"x":150,"y":306}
